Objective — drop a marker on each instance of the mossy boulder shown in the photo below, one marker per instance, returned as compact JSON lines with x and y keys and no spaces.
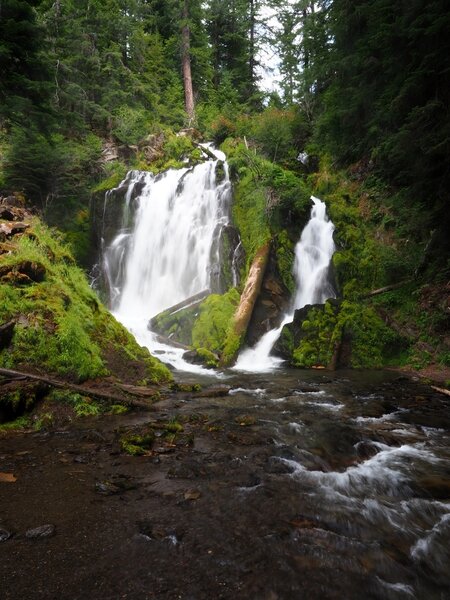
{"x":61,"y":327}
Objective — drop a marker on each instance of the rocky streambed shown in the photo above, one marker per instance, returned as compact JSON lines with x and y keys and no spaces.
{"x":294,"y":485}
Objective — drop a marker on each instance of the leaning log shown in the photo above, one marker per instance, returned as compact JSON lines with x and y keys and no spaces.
{"x":244,"y":311}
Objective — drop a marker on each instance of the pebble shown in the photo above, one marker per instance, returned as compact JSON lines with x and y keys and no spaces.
{"x":41,"y":532}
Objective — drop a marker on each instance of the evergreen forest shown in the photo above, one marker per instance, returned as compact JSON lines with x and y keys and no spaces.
{"x":224,"y":299}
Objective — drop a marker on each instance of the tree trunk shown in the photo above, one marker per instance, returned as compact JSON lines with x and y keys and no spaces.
{"x":252,"y":60}
{"x":186,"y":64}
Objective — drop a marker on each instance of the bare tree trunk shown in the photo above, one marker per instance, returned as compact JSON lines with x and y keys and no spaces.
{"x":186,"y":64}
{"x":252,"y":61}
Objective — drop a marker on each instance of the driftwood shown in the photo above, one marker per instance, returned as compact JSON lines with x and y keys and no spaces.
{"x":86,"y":391}
{"x":441,"y":390}
{"x":387,"y":288}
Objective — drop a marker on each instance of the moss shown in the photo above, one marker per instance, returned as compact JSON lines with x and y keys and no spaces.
{"x":114,"y":172}
{"x":213,"y":323}
{"x":185,"y":387}
{"x":209,"y":358}
{"x":176,"y":325}
{"x":19,"y":423}
{"x":324,"y":327}
{"x":285,"y":256}
{"x":319,"y":331}
{"x":231,"y":347}
{"x":137,"y":444}
{"x":118,"y":409}
{"x":61,"y":326}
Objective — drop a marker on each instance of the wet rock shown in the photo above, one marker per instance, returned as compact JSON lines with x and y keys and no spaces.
{"x":4,"y":535}
{"x":213,"y":392}
{"x":6,"y":334}
{"x":148,"y":531}
{"x":14,"y":228}
{"x":196,"y":358}
{"x":278,"y":467}
{"x":121,"y":483}
{"x":252,"y":480}
{"x":192,"y":495}
{"x":38,"y":533}
{"x":188,"y":470}
{"x":106,"y":488}
{"x":6,"y":214}
{"x":80,"y":459}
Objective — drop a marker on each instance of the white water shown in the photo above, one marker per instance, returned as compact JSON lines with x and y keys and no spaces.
{"x":166,"y":256}
{"x":313,"y":254}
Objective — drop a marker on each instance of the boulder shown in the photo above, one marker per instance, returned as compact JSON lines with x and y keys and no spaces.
{"x":6,"y":334}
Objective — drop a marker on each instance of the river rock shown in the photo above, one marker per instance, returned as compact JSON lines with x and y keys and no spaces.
{"x":4,"y":535}
{"x":38,"y":533}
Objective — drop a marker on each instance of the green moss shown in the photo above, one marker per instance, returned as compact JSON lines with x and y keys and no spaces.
{"x":285,"y":256}
{"x":185,"y":387}
{"x":209,"y":358}
{"x":61,"y":326}
{"x":114,"y":173}
{"x":319,"y":331}
{"x":137,"y":444}
{"x":118,"y":409}
{"x":324,"y":327}
{"x":231,"y":346}
{"x":176,"y":325}
{"x":213,"y":323}
{"x":19,"y":423}
{"x":267,"y":199}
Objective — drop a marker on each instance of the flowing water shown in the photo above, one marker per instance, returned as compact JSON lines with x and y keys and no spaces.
{"x":169,"y":251}
{"x":309,"y":485}
{"x":313,"y":254}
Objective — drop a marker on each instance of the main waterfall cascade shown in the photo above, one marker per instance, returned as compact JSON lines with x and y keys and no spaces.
{"x":169,"y":252}
{"x":313,"y":254}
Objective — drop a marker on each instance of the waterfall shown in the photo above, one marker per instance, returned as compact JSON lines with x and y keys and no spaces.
{"x":166,"y":250}
{"x":313,"y":254}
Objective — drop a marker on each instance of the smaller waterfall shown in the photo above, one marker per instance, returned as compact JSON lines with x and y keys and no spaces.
{"x":313,"y":254}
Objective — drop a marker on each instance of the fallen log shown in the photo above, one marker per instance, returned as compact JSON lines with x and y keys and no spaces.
{"x":441,"y":390}
{"x":86,"y":391}
{"x":387,"y":288}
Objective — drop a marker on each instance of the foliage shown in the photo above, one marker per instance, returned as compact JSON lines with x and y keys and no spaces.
{"x":213,"y":323}
{"x":60,"y":324}
{"x":137,"y":444}
{"x":22,"y":422}
{"x":324,"y":328}
{"x":284,"y":251}
{"x":267,"y":197}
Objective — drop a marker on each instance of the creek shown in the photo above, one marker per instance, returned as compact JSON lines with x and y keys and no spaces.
{"x":301,"y":484}
{"x":313,"y":484}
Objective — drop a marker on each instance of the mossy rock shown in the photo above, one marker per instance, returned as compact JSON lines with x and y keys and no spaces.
{"x":137,"y":444}
{"x":60,"y":324}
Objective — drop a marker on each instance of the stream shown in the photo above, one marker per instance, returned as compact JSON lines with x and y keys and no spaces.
{"x":298,"y":484}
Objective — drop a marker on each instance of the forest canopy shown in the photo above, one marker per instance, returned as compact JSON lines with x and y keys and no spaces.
{"x":364,"y":82}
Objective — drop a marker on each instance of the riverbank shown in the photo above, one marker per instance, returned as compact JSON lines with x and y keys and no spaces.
{"x":295,"y":484}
